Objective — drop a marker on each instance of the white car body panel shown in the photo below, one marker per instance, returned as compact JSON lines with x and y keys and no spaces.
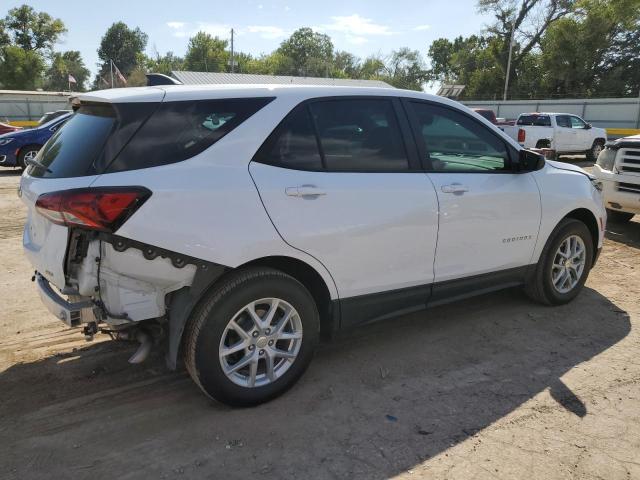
{"x":621,"y":185}
{"x":492,"y":226}
{"x":372,"y":232}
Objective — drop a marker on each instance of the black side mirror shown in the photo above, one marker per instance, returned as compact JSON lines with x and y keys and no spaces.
{"x":528,"y":161}
{"x":587,"y":126}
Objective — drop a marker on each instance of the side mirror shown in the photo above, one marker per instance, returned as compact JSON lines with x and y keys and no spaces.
{"x":587,"y":126}
{"x":528,"y":161}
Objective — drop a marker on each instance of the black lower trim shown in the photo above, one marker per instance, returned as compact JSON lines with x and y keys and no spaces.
{"x":383,"y":305}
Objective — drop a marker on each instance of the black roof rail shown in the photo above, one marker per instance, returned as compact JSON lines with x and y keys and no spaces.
{"x":154,"y":79}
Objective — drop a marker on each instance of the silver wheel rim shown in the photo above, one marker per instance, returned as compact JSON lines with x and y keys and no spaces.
{"x":597,"y":148}
{"x":30,"y":155}
{"x":568,"y":264}
{"x":260,"y":343}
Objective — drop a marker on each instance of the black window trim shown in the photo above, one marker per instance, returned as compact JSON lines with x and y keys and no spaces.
{"x":406,"y":135}
{"x":512,"y":152}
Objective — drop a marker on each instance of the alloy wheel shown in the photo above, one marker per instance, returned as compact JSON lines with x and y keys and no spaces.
{"x":261,"y":342}
{"x":568,"y":264}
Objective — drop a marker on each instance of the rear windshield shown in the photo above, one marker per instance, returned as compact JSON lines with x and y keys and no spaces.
{"x":535,"y":120}
{"x":105,"y":138}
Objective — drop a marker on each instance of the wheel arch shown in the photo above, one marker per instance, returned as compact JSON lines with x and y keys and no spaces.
{"x":183,"y":302}
{"x":587,"y":217}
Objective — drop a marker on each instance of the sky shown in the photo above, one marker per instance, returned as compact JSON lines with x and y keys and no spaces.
{"x":360,"y":27}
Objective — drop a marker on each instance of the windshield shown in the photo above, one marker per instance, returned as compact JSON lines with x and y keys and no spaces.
{"x":57,"y":119}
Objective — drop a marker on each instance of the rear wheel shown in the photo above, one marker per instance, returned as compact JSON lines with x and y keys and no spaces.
{"x":615,"y":216}
{"x":564,"y":264}
{"x":252,"y":337}
{"x":27,"y":153}
{"x":594,"y":152}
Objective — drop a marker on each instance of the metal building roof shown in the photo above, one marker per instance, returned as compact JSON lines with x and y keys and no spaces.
{"x":214,"y":78}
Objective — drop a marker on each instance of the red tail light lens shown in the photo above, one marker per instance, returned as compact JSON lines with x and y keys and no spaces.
{"x":104,"y":209}
{"x":521,"y":135}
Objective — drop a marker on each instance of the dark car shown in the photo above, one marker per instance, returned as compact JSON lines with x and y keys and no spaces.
{"x":486,"y":113}
{"x":18,"y":147}
{"x":47,"y":117}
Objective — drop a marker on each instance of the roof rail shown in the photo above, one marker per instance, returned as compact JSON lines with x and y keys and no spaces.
{"x":154,"y":79}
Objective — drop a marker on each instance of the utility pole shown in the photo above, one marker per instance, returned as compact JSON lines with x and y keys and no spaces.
{"x":506,"y":80}
{"x":232,"y":59}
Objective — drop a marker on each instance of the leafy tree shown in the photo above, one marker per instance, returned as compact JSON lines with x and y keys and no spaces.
{"x":405,"y":69}
{"x":31,"y":30}
{"x":164,"y":63}
{"x":20,"y":69}
{"x":206,"y":53}
{"x":310,"y":53}
{"x":122,"y":45}
{"x":63,"y":65}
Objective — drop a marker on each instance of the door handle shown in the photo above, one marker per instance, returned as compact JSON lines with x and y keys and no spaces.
{"x":304,"y":191}
{"x":454,"y":188}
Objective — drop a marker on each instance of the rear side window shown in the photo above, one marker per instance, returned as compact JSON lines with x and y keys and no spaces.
{"x":104,"y":137}
{"x":357,"y":135}
{"x":535,"y":120}
{"x":180,"y":130}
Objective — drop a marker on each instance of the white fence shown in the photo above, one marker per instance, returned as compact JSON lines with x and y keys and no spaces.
{"x":613,"y":113}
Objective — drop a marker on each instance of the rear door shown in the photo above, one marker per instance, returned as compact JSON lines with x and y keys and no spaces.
{"x":340,"y":180}
{"x":489,"y":215}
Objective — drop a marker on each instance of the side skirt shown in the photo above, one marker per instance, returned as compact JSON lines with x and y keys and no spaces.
{"x":382,"y":305}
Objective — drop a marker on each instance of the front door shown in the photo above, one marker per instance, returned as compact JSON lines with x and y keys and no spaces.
{"x":489,"y":215}
{"x":339,"y":180}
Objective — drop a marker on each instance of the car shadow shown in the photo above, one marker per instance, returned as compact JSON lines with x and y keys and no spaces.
{"x":374,"y":403}
{"x":13,"y":172}
{"x":626,"y":233}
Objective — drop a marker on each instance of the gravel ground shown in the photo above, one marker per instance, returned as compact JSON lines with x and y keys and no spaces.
{"x":493,"y":387}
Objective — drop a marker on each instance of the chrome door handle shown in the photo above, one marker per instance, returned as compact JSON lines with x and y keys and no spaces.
{"x":454,"y":188}
{"x":304,"y":191}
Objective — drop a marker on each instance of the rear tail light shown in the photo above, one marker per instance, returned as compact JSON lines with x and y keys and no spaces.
{"x":102,"y":208}
{"x":521,"y":135}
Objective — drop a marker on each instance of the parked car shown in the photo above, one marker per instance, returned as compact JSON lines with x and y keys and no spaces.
{"x":618,"y":168}
{"x":47,"y":117}
{"x":18,"y":148}
{"x":486,"y":113}
{"x":565,"y":133}
{"x":240,"y":224}
{"x":6,"y":128}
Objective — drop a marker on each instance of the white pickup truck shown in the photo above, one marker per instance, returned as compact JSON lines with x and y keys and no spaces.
{"x":618,"y":169}
{"x":565,"y":133}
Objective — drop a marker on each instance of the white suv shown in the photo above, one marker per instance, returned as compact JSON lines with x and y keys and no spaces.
{"x":238,"y":225}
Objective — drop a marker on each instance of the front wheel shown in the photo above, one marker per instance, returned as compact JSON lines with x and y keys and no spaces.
{"x":564,"y":264}
{"x":252,"y":337}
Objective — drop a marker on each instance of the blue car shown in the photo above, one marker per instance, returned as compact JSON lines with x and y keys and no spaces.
{"x":21,"y":146}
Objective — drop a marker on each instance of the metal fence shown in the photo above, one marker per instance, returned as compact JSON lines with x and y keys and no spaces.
{"x":25,"y":108}
{"x":609,"y":113}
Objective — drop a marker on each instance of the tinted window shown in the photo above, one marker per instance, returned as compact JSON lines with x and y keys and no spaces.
{"x":563,"y":121}
{"x":359,"y":135}
{"x":535,"y":120}
{"x":71,"y":150}
{"x":456,"y":143}
{"x":293,"y":144}
{"x":577,"y":122}
{"x":180,"y":130}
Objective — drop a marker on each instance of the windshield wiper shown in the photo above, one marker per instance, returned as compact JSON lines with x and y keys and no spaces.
{"x":35,"y":163}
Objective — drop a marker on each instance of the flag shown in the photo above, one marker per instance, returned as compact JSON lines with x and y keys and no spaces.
{"x":72,"y":79}
{"x":119,"y":74}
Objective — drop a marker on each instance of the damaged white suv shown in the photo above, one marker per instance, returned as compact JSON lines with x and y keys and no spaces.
{"x":236,"y":226}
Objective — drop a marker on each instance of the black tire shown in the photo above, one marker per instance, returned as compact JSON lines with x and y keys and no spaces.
{"x":540,"y":286}
{"x":615,"y":216}
{"x":208,"y":322}
{"x":23,"y":153}
{"x":596,"y":148}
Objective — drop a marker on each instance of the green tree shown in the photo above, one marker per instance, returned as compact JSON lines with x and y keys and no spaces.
{"x":63,"y":65}
{"x":31,"y":30}
{"x":310,"y":53}
{"x":20,"y":69}
{"x":122,"y":45}
{"x":405,"y":69}
{"x":164,"y":63}
{"x":206,"y":53}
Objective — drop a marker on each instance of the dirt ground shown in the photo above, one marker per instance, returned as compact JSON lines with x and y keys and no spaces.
{"x":495,"y":387}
